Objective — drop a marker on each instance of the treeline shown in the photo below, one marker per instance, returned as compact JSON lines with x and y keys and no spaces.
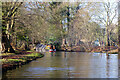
{"x":25,"y":24}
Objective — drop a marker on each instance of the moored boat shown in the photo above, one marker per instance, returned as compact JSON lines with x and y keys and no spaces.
{"x":52,"y":50}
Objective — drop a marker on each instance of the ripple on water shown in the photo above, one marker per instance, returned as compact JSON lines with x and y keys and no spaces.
{"x":49,"y":69}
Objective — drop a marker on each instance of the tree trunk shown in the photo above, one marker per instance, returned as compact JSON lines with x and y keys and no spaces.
{"x":108,"y":41}
{"x":107,"y":37}
{"x":7,"y":45}
{"x":63,"y":42}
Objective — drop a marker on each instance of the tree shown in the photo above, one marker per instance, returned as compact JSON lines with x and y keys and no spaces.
{"x":82,"y":27}
{"x":47,"y":21}
{"x":9,"y":10}
{"x":106,"y":15}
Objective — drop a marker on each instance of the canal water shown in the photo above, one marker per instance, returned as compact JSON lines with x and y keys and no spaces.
{"x":69,"y":65}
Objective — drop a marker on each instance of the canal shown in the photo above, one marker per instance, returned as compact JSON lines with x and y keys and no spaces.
{"x":69,"y":65}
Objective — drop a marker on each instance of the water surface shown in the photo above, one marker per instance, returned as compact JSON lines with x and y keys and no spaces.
{"x":69,"y":65}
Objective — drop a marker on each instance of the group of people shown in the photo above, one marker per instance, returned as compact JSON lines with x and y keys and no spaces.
{"x":52,"y":47}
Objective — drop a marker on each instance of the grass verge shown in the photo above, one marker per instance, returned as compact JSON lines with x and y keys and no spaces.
{"x":12,"y":61}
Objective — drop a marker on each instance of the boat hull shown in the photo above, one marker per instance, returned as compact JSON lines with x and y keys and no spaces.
{"x":51,"y":50}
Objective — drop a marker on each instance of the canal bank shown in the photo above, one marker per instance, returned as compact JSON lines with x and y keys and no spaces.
{"x":15,"y":60}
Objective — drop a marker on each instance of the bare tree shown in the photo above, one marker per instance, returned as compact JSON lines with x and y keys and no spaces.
{"x":106,"y":15}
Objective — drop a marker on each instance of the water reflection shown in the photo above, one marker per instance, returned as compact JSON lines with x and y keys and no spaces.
{"x":70,"y":65}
